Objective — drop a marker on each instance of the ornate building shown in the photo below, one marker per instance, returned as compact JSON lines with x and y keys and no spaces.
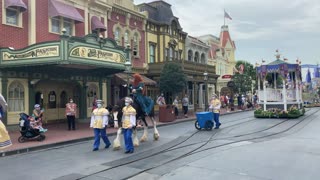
{"x":55,"y":49}
{"x":222,"y":55}
{"x":166,"y":42}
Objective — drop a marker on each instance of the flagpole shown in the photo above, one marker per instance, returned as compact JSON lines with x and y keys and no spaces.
{"x":224,"y":17}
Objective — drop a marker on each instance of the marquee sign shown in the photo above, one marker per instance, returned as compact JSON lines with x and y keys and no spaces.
{"x":49,"y":51}
{"x":97,"y":54}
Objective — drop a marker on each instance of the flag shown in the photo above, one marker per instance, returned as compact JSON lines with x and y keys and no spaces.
{"x":226,"y":15}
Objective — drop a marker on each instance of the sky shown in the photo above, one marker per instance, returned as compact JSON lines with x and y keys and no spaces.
{"x":258,"y":27}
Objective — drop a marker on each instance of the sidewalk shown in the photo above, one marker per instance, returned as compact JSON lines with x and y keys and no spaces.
{"x":58,"y":134}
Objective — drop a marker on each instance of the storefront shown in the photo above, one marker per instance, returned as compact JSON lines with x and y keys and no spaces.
{"x":50,"y":73}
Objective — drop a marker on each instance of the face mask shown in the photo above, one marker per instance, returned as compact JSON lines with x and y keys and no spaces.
{"x":71,"y":101}
{"x":99,"y":105}
{"x":127,"y":104}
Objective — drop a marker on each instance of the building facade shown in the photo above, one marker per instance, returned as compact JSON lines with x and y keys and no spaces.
{"x":55,"y":49}
{"x":222,"y":55}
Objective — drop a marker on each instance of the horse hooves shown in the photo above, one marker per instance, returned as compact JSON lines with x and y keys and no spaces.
{"x":156,"y":137}
{"x":116,"y":148}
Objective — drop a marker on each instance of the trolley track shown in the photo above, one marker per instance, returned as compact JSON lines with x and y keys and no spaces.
{"x":196,"y":151}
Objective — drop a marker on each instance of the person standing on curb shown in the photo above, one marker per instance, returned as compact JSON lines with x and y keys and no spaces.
{"x":99,"y":122}
{"x":215,"y":106}
{"x":185,"y":104}
{"x":129,"y":121}
{"x":175,"y":105}
{"x":71,"y":111}
{"x":5,"y":140}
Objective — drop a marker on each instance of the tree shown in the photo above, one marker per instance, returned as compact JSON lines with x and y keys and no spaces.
{"x":172,"y":79}
{"x":243,"y":82}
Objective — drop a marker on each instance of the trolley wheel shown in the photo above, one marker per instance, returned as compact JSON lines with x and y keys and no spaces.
{"x":209,"y":125}
{"x":21,"y":139}
{"x":196,"y":125}
{"x":41,"y":137}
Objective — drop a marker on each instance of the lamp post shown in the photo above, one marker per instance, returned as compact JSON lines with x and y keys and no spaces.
{"x":205,"y":74}
{"x":128,"y":67}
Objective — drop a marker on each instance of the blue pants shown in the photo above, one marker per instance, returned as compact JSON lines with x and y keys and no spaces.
{"x":127,"y":134}
{"x":97,"y":134}
{"x":216,"y":119}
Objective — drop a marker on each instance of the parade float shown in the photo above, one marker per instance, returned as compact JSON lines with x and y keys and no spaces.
{"x":279,"y":89}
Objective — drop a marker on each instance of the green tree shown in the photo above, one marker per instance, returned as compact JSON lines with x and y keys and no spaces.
{"x":172,"y":79}
{"x":243,"y":82}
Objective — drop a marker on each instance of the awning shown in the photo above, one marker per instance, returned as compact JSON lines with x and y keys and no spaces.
{"x":56,"y":8}
{"x":15,"y":4}
{"x":123,"y":77}
{"x":97,"y":24}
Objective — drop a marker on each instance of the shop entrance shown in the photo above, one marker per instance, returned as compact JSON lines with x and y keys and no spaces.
{"x":53,"y":97}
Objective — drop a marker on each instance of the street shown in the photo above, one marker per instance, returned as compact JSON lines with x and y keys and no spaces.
{"x":244,"y":148}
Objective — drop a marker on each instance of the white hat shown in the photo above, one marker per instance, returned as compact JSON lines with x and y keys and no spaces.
{"x":128,"y":99}
{"x":36,"y":105}
{"x":99,"y":101}
{"x":214,"y":95}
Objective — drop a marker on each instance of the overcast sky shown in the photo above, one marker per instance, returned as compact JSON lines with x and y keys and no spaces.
{"x":258,"y":27}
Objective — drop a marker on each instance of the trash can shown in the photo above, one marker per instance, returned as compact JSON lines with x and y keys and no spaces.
{"x":166,"y":113}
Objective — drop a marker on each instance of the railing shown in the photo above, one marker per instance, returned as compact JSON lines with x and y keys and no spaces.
{"x":275,"y":95}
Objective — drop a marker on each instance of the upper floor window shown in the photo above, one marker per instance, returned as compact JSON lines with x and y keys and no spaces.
{"x":12,"y":16}
{"x":203,"y":58}
{"x":152,"y":49}
{"x":58,"y":23}
{"x":171,"y":54}
{"x":135,"y":45}
{"x":190,"y":55}
{"x":12,"y":12}
{"x":196,"y":57}
{"x":126,"y":38}
{"x":117,"y":36}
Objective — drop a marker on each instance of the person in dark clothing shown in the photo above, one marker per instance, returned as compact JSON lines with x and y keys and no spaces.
{"x":239,"y":101}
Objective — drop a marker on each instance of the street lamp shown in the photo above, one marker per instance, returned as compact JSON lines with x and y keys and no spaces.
{"x":128,"y":67}
{"x":205,"y":74}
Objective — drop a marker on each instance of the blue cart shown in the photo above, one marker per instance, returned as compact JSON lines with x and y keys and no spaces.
{"x":204,"y":120}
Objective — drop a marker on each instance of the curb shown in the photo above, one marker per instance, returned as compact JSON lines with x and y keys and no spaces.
{"x":62,"y":143}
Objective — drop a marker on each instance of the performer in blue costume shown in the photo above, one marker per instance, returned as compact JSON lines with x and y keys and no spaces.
{"x":138,"y":92}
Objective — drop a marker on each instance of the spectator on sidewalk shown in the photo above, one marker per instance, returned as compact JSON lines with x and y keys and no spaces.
{"x":71,"y":111}
{"x":215,"y":106}
{"x":185,"y":104}
{"x":239,"y":101}
{"x":161,"y":101}
{"x":175,"y":105}
{"x":99,"y":122}
{"x":37,"y":118}
{"x":226,"y":102}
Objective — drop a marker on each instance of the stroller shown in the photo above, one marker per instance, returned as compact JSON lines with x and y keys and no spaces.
{"x":26,"y":130}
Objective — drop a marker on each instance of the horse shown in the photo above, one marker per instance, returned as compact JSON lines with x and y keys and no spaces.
{"x":117,"y":118}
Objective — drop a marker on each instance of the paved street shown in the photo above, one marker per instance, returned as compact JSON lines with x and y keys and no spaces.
{"x":244,"y":148}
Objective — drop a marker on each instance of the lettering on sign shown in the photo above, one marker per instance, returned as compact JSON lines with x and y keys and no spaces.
{"x":49,"y":51}
{"x":97,"y":54}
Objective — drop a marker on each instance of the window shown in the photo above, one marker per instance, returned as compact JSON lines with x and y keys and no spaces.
{"x":166,"y":54}
{"x":92,"y":93}
{"x":171,"y":54}
{"x":196,"y":57}
{"x":190,"y":55}
{"x":16,"y":97}
{"x":52,"y":99}
{"x":58,"y":23}
{"x":203,"y":58}
{"x":126,"y":38}
{"x":12,"y":16}
{"x":135,"y":45}
{"x":117,"y":36}
{"x":152,"y":53}
{"x":63,"y":99}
